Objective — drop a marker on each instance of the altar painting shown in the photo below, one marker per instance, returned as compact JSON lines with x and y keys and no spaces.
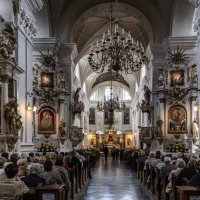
{"x":47,"y":120}
{"x":177,"y":120}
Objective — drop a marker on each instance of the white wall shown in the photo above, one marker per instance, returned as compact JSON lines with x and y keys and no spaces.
{"x":182,"y":20}
{"x":6,"y":10}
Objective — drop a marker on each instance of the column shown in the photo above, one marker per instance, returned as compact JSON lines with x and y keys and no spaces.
{"x":146,"y":119}
{"x":61,"y":109}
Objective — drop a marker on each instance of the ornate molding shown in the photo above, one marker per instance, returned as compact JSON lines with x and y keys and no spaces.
{"x":36,"y":5}
{"x":7,"y":38}
{"x":145,"y":132}
{"x":26,"y":23}
{"x":76,"y":135}
{"x":187,"y":42}
{"x":197,"y":22}
{"x":41,"y":44}
{"x":110,"y":76}
{"x":195,"y":2}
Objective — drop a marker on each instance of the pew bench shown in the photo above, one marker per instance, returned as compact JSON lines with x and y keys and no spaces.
{"x":51,"y":191}
{"x":187,"y":193}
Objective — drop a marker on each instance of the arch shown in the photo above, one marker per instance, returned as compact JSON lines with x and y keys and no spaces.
{"x":148,"y":8}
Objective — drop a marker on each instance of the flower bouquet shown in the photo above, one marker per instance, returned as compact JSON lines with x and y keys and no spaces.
{"x":45,"y":147}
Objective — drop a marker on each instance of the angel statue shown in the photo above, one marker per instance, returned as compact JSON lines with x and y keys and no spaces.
{"x":77,"y":95}
{"x":12,"y":118}
{"x":62,"y":128}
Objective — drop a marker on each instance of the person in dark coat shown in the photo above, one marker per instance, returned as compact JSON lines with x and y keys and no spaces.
{"x":195,"y":180}
{"x":33,"y":179}
{"x":105,"y":150}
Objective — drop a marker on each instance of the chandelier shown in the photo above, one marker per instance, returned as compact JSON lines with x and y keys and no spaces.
{"x":117,"y":50}
{"x":111,"y":103}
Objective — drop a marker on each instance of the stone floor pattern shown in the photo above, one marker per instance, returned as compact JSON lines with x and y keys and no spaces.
{"x":112,"y":180}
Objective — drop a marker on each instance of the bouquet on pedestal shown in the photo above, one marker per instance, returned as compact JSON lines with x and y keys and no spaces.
{"x":45,"y":147}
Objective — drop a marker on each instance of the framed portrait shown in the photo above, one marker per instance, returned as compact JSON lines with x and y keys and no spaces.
{"x":47,"y":79}
{"x":177,"y":120}
{"x":92,"y":116}
{"x":126,"y":116}
{"x":177,"y":77}
{"x":47,"y":120}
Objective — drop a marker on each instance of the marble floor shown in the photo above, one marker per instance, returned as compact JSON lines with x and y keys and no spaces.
{"x":113,"y":180}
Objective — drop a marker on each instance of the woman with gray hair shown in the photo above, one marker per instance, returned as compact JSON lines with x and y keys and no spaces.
{"x":180,"y":164}
{"x":33,"y":179}
{"x":187,"y":173}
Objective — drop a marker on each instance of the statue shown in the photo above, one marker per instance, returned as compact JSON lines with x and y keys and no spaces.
{"x":7,"y":39}
{"x":195,"y":128}
{"x":158,"y":128}
{"x":62,"y":128}
{"x":161,"y":78}
{"x":194,"y":76}
{"x":147,"y":95}
{"x":12,"y":117}
{"x":77,"y":95}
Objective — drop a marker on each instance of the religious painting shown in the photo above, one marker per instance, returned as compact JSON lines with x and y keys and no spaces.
{"x":47,"y":120}
{"x":92,"y":116}
{"x":126,"y":116}
{"x":108,"y":117}
{"x":128,"y":140}
{"x":47,"y":80}
{"x":177,"y":120}
{"x":177,"y":78}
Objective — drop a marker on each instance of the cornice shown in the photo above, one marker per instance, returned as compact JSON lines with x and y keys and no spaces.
{"x":187,"y":42}
{"x":69,"y":48}
{"x":41,"y":44}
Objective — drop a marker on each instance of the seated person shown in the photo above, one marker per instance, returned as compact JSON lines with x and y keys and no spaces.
{"x":11,"y":187}
{"x":180,"y":164}
{"x":50,"y":175}
{"x":195,"y":180}
{"x":2,"y":173}
{"x":34,"y":179}
{"x":187,"y":173}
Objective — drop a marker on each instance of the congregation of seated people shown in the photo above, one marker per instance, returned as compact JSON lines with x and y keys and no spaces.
{"x":161,"y":172}
{"x":19,"y":174}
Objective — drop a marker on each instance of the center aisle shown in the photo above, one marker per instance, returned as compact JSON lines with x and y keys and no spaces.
{"x":112,"y":180}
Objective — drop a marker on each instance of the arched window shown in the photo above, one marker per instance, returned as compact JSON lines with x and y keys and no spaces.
{"x":126,"y":95}
{"x":93,"y":97}
{"x":107,"y":92}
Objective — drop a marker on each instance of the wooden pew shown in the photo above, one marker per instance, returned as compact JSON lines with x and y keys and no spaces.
{"x":164,"y":182}
{"x":73,"y":182}
{"x":31,"y":195}
{"x":53,"y":191}
{"x":152,"y":179}
{"x":157,"y":183}
{"x":186,"y":192}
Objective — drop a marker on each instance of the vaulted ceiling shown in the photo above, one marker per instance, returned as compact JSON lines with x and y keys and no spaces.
{"x":84,"y":21}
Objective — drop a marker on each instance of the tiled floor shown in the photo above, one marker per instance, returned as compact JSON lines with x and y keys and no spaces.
{"x":112,"y":180}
